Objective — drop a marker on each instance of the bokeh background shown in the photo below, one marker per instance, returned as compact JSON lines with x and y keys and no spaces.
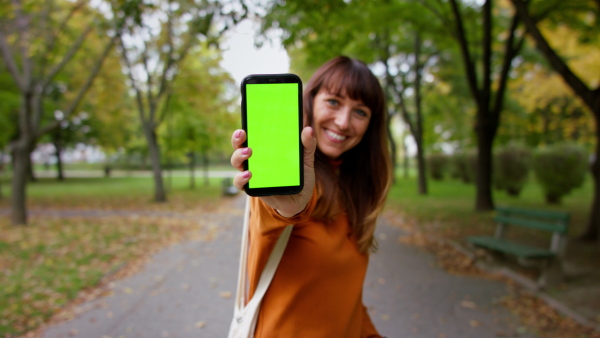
{"x":112,"y":105}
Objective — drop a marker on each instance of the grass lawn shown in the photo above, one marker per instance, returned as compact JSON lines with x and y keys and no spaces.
{"x":448,"y":211}
{"x":47,"y":263}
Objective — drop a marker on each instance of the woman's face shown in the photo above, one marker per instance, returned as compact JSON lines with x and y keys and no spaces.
{"x":339,"y":122}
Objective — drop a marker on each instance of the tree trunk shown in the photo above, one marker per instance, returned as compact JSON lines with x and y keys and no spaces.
{"x":422,"y":174}
{"x":592,"y":232}
{"x":392,"y":147}
{"x":154,"y":150}
{"x":483,"y":174}
{"x":406,"y":158}
{"x":192,"y":157}
{"x":205,"y":162}
{"x":29,"y":168}
{"x":19,"y":180}
{"x":419,"y":118}
{"x":59,"y":165}
{"x":1,"y":173}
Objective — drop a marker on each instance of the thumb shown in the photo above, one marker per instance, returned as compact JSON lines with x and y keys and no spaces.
{"x":309,"y":141}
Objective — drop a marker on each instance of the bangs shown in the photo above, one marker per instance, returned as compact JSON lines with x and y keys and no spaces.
{"x":355,"y":80}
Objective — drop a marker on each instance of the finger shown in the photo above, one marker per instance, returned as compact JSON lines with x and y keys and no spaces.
{"x":310,"y":145}
{"x":240,"y":179}
{"x":238,"y":138}
{"x":239,"y":156}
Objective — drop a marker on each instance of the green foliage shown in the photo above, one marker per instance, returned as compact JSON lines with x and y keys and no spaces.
{"x":202,"y":112}
{"x":559,"y":169}
{"x":463,"y":164}
{"x":511,"y":168}
{"x":9,"y":108}
{"x":437,"y":165}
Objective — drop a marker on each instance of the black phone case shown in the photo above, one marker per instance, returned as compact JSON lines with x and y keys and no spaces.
{"x":274,"y":78}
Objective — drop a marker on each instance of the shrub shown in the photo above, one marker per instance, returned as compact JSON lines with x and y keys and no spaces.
{"x":437,"y":165}
{"x":511,"y":168}
{"x":559,"y":169}
{"x":463,"y":165}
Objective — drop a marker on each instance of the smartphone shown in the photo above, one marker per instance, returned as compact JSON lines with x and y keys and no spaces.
{"x":272,"y":119}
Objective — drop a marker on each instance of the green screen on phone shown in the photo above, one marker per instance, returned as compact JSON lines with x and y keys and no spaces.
{"x":273,"y":134}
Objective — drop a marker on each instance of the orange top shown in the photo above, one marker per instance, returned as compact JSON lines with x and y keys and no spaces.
{"x":317,"y":288}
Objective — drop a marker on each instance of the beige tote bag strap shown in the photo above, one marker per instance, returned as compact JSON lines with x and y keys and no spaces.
{"x":269,"y":271}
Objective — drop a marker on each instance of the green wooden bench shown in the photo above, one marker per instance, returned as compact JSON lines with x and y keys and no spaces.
{"x":227,"y":187}
{"x":551,"y":221}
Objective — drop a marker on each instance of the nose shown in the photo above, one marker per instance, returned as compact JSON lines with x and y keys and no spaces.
{"x":342,"y":119}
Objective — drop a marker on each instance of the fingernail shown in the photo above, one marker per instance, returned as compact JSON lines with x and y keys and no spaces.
{"x":246,"y":174}
{"x":238,"y":134}
{"x":245,"y":151}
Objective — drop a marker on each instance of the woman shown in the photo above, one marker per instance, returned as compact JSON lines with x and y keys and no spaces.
{"x":317,"y":289}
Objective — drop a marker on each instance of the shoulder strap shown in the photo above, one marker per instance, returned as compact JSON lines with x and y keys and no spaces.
{"x":269,"y":271}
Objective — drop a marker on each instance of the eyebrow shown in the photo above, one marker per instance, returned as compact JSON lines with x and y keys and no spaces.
{"x":362,"y":104}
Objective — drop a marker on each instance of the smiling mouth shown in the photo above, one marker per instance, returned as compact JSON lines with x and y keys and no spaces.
{"x":335,"y":135}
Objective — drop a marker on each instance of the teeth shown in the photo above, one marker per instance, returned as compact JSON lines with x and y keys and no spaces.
{"x":335,"y":135}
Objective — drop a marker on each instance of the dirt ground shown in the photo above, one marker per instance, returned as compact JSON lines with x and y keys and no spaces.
{"x":569,"y":309}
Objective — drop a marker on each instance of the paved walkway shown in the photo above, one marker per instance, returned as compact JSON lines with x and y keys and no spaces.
{"x":188,"y":290}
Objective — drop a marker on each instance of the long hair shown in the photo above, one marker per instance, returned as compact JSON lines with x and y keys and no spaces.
{"x":361,"y":186}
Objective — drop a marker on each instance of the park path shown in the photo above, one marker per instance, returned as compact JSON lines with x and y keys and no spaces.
{"x":188,"y":289}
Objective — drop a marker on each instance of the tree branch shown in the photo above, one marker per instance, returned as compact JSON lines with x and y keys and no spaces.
{"x":169,"y":62}
{"x":138,"y":93}
{"x":510,"y":51}
{"x":22,"y":25}
{"x":487,"y":53}
{"x":466,"y":54}
{"x":437,"y":13}
{"x":417,"y":87}
{"x":553,"y":58}
{"x":165,"y":109}
{"x":10,"y":63}
{"x":149,"y":96}
{"x":54,"y":34}
{"x":88,"y":83}
{"x":68,"y":56}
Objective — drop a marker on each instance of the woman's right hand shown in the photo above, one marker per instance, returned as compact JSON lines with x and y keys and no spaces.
{"x":286,"y":205}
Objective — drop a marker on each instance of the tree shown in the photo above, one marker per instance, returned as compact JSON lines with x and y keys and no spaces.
{"x":203,"y":112}
{"x":572,"y":13}
{"x":489,"y":102}
{"x":9,"y":107}
{"x":37,"y":41}
{"x":362,"y":29}
{"x":152,"y":51}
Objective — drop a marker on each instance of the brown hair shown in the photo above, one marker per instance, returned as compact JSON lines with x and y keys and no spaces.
{"x":365,"y":173}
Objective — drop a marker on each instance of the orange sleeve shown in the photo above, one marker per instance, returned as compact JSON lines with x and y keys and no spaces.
{"x":268,"y":219}
{"x":368,"y":329}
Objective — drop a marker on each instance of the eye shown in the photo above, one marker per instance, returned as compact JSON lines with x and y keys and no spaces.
{"x":333,"y":102}
{"x":362,"y":113}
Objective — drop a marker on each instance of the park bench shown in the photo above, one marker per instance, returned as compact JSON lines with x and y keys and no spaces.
{"x":554,"y":222}
{"x":227,"y":187}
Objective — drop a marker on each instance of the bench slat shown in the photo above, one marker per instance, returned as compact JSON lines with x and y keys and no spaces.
{"x":550,"y":215}
{"x":547,"y":226}
{"x":516,"y":249}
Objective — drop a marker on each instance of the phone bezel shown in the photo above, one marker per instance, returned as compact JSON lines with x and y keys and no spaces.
{"x":273,"y":79}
